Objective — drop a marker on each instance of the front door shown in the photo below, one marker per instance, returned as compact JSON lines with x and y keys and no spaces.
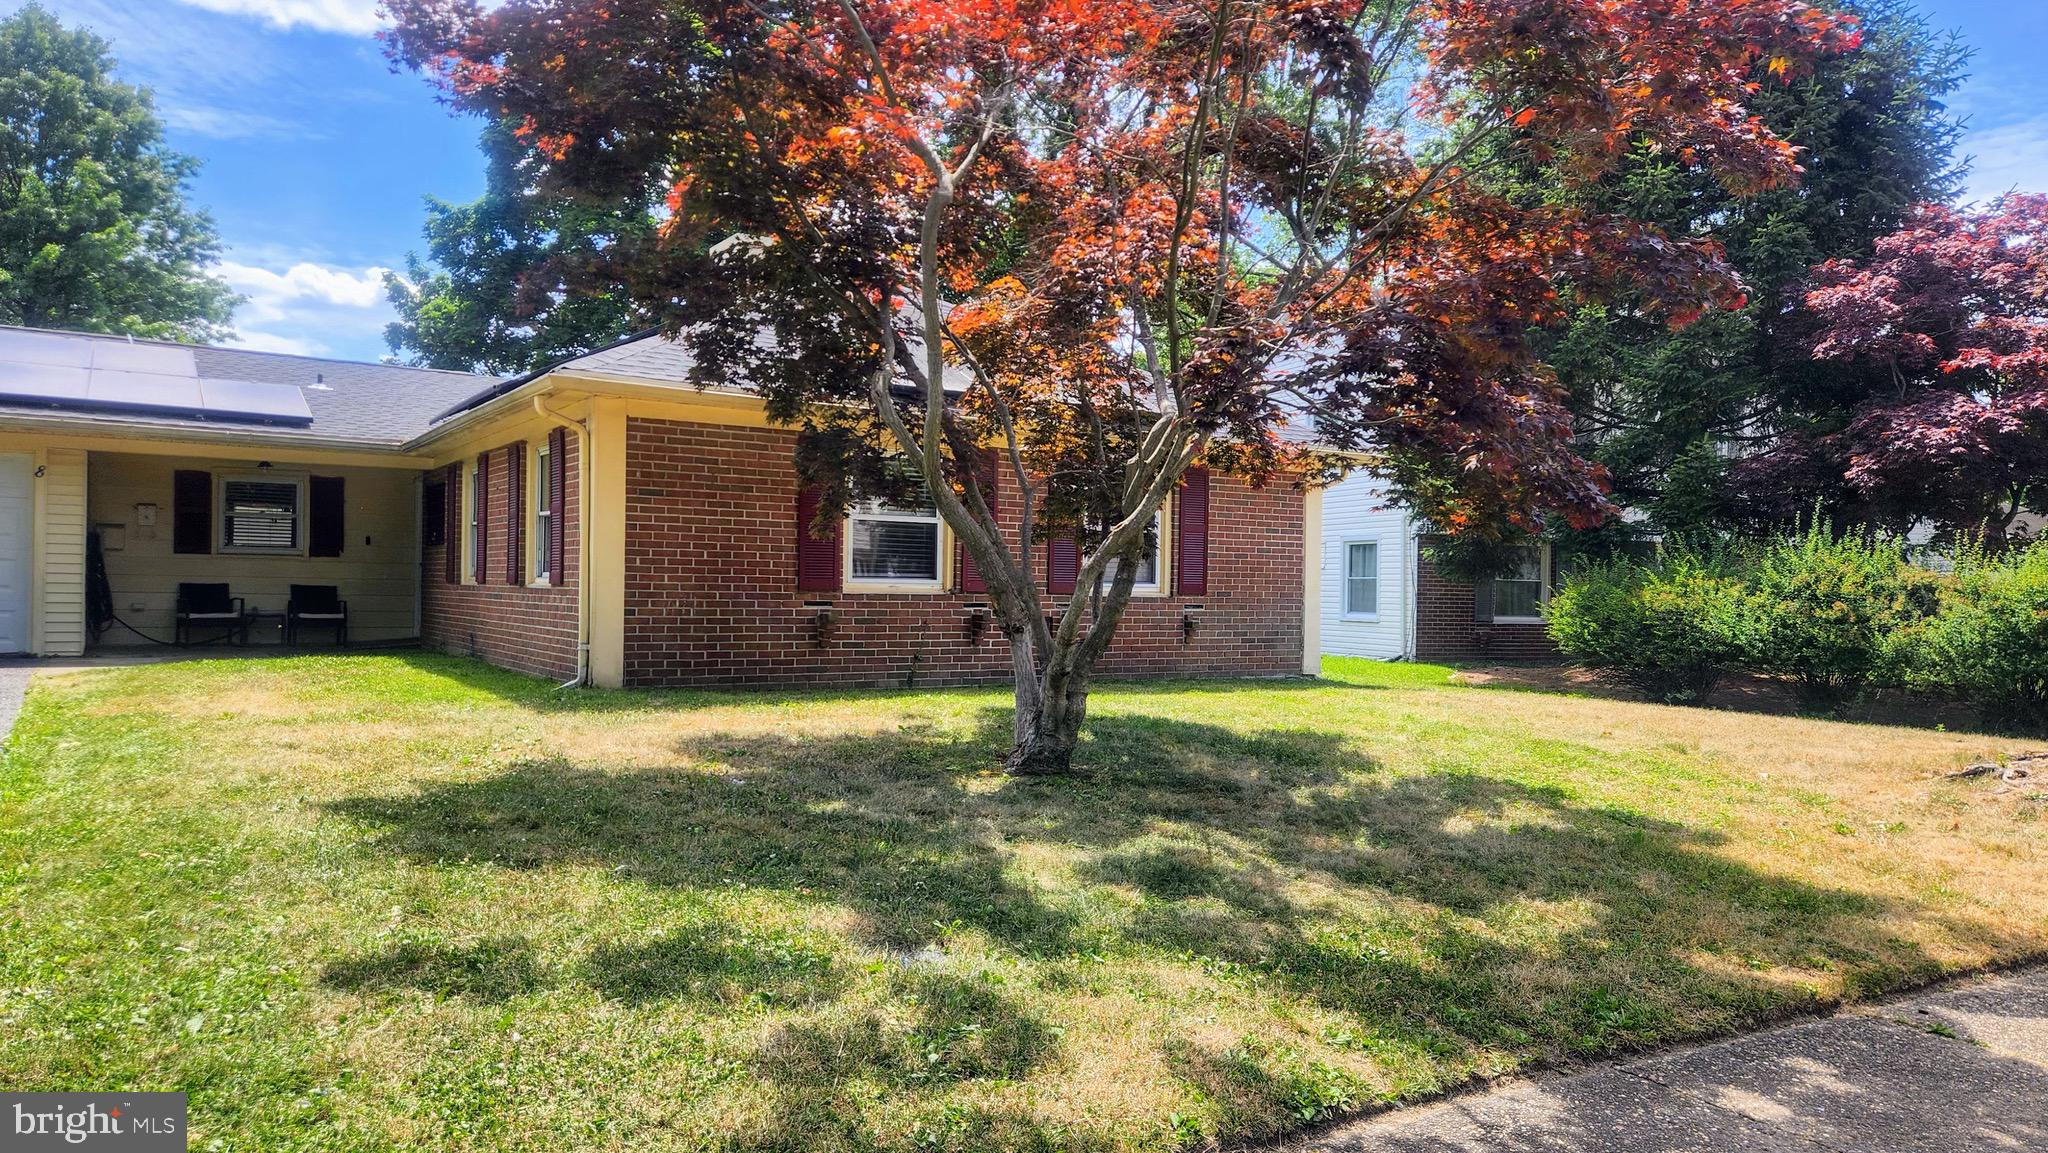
{"x":17,"y":526}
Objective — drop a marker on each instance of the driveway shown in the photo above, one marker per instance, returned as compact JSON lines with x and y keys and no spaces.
{"x":1960,"y":1069}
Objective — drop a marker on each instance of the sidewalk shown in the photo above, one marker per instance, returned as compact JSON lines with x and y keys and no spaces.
{"x":1959,"y":1069}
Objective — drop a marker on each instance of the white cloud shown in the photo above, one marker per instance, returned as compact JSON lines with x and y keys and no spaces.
{"x":272,"y":342}
{"x":309,"y":308}
{"x":2008,"y":157}
{"x":227,"y":123}
{"x":350,"y":17}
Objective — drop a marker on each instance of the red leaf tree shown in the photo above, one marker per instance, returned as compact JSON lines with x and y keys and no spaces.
{"x":1943,"y":337}
{"x":1111,"y":238}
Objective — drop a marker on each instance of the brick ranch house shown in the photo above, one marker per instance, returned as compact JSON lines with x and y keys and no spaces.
{"x":602,"y":518}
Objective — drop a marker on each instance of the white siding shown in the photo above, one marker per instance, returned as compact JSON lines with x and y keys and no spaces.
{"x":377,"y":572}
{"x":63,"y":553}
{"x":1359,"y":509}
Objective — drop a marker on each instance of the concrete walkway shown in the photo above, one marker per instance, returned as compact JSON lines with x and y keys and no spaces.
{"x":1956,"y":1070}
{"x":13,"y":683}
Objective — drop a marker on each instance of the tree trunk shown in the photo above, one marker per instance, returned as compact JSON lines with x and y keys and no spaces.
{"x":1047,"y":732}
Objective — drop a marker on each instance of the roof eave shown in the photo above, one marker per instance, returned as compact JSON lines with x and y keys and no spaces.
{"x":238,"y":435}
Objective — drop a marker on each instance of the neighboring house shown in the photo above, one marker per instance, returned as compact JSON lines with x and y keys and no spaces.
{"x":1381,"y":597}
{"x":603,"y":517}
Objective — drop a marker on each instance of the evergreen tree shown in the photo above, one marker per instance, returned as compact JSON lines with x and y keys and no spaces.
{"x":95,"y":234}
{"x":1664,"y":410}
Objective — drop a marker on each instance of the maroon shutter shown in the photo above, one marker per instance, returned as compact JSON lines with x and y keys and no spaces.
{"x":558,"y":471}
{"x":326,"y":533}
{"x":817,"y":558}
{"x":970,"y":576}
{"x":451,"y":525}
{"x":1191,"y":534}
{"x":191,"y":511}
{"x":1062,"y":564}
{"x":480,"y":572}
{"x":515,"y":513}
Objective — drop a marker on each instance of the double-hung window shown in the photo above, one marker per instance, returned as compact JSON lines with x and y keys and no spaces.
{"x":895,"y":543}
{"x":543,"y":516}
{"x":1148,"y":561}
{"x":1520,"y":592}
{"x":473,"y":523}
{"x":1361,"y":578}
{"x":262,"y":514}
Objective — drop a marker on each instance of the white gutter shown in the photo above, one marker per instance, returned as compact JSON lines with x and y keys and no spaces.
{"x":582,"y":431}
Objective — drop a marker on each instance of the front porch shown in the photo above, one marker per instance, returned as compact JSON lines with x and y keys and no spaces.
{"x":252,"y":534}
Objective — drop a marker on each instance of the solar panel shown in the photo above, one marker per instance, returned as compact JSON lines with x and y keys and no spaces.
{"x":49,"y":383}
{"x":164,"y":360}
{"x":248,"y":398}
{"x":18,"y":347}
{"x":87,"y":373}
{"x":111,"y":389}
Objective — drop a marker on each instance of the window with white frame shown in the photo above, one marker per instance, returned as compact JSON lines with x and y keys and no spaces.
{"x":1520,"y":591}
{"x":262,"y":514}
{"x":472,"y":525}
{"x":1361,"y":578}
{"x":1148,"y":561}
{"x":894,"y":543}
{"x":543,"y":516}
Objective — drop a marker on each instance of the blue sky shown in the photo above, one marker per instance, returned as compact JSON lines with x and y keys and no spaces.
{"x":317,"y":156}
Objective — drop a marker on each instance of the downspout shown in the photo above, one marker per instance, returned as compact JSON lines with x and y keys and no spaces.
{"x":582,"y":431}
{"x":1411,"y":581}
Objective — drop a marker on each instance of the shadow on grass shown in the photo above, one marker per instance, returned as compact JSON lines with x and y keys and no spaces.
{"x":545,"y":695}
{"x":494,"y":969}
{"x":1439,"y":917}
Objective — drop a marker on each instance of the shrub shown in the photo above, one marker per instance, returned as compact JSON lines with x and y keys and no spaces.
{"x":1826,"y":610}
{"x":1667,"y":627}
{"x":1989,"y":642}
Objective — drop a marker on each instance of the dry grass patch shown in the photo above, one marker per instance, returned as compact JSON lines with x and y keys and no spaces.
{"x":408,"y":902}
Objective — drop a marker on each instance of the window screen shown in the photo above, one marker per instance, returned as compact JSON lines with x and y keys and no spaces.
{"x":259,"y":515}
{"x":1362,"y":577}
{"x":1148,"y":565}
{"x":1518,"y":592}
{"x":544,"y":518}
{"x":895,"y":542}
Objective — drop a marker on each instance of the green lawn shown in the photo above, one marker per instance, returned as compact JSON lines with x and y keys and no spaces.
{"x":409,"y":902}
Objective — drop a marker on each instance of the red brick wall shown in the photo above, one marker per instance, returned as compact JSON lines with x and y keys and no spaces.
{"x":711,"y":595}
{"x":532,"y":630}
{"x":1445,"y":630}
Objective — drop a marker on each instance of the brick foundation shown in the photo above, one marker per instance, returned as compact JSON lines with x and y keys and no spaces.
{"x":711,"y":595}
{"x":528,"y":628}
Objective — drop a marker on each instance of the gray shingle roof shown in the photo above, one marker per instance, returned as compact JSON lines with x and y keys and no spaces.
{"x":374,"y":405}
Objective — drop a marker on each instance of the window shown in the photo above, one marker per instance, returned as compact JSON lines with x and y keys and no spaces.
{"x":1519,"y":593}
{"x":894,"y":544}
{"x":1361,"y":578}
{"x":261,"y":514}
{"x":1148,"y":564}
{"x":543,"y":516}
{"x":473,"y":523}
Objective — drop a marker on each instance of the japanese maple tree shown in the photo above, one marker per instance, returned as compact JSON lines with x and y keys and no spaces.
{"x":1943,"y":336}
{"x":1113,"y":238}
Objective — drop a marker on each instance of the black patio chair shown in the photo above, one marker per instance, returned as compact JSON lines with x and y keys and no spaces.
{"x":210,"y":605}
{"x":319,"y":605}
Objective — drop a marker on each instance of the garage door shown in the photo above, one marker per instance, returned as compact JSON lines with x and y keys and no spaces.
{"x":17,"y":505}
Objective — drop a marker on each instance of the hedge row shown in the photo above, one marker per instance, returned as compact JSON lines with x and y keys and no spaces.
{"x":1837,"y":616}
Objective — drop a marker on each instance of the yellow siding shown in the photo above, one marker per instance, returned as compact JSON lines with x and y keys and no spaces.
{"x":61,"y":514}
{"x":377,"y":573}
